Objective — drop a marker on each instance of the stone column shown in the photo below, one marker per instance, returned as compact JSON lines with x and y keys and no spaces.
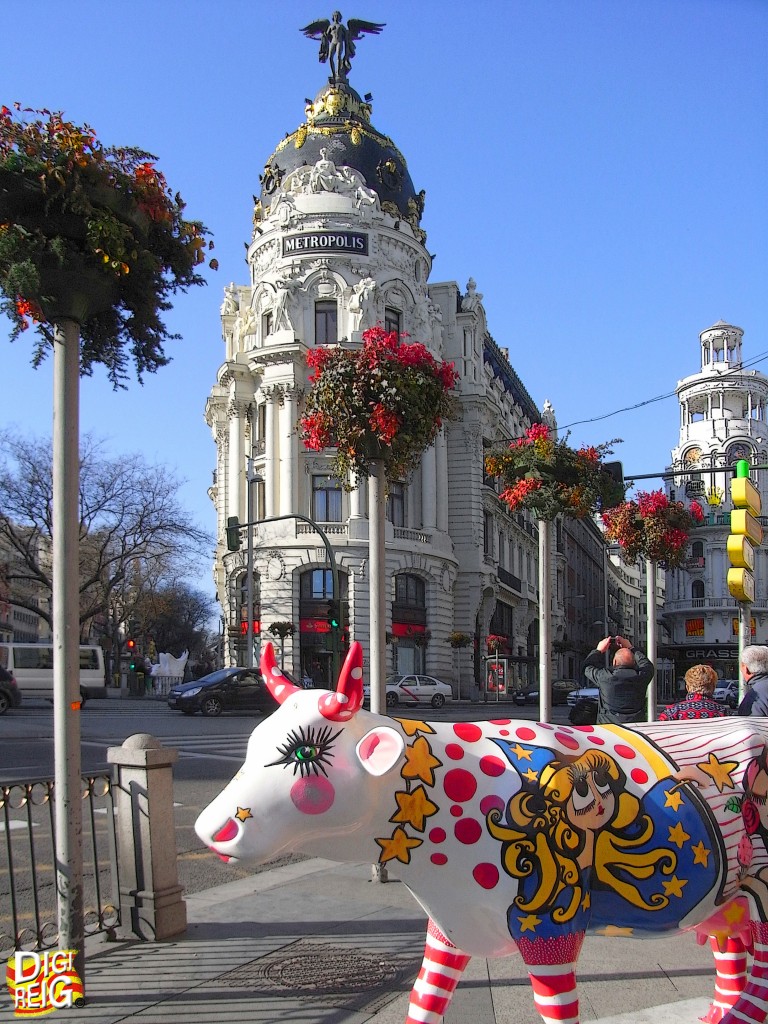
{"x":441,"y":480}
{"x":428,"y":489}
{"x":151,"y":906}
{"x":271,"y":457}
{"x":289,"y":453}
{"x":236,"y":467}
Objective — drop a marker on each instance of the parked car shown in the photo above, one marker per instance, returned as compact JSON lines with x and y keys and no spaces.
{"x":414,"y":689}
{"x":727,"y":693}
{"x":10,"y":694}
{"x":526,"y":696}
{"x":583,"y":693}
{"x":227,"y":689}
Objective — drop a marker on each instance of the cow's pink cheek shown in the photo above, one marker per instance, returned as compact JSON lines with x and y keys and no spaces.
{"x":312,"y":796}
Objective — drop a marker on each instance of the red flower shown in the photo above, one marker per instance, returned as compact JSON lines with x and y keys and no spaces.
{"x":751,"y":816}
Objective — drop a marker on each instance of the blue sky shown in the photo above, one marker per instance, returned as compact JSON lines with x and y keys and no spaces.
{"x":598,"y":166}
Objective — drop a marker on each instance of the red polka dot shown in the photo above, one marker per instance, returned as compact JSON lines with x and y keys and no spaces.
{"x":503,"y":732}
{"x":437,"y":835}
{"x":468,"y":831}
{"x":622,"y":750}
{"x":486,"y":875}
{"x":597,"y":740}
{"x":567,"y":741}
{"x":638,"y":775}
{"x":501,"y":721}
{"x":455,"y":751}
{"x":492,"y":766}
{"x":457,"y":811}
{"x":459,"y":785}
{"x":524,"y":733}
{"x":491,"y":803}
{"x":468,"y":731}
{"x":439,"y":859}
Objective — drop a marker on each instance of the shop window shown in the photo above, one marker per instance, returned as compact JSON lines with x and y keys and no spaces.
{"x":410,"y":590}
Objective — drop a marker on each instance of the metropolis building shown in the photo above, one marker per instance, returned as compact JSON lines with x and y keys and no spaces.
{"x":723,"y":418}
{"x":338,"y":246}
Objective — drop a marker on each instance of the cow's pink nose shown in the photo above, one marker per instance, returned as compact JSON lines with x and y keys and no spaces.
{"x":226,"y":832}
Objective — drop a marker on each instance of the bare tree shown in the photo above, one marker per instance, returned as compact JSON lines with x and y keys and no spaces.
{"x":134,"y":534}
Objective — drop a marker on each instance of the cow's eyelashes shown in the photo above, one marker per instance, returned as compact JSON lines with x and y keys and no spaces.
{"x":307,"y":750}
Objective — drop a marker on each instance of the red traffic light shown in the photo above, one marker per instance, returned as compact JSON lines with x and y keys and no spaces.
{"x":131,"y":645}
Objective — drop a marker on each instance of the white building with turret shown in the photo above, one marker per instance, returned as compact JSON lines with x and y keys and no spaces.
{"x":723,"y":418}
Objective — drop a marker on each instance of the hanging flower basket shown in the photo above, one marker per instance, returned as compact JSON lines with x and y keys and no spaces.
{"x":90,"y":234}
{"x":495,"y":642}
{"x":458,"y":640}
{"x":386,"y":400}
{"x":549,"y":478}
{"x":652,"y":527}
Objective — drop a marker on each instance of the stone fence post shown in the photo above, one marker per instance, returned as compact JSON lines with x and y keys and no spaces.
{"x":151,"y":906}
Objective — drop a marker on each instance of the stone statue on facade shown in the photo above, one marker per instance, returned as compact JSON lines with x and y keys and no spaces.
{"x":361,"y":304}
{"x":287,"y":290}
{"x":473,"y":298}
{"x":337,"y":41}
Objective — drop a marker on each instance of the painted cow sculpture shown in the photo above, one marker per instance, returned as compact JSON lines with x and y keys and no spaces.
{"x":518,"y":836}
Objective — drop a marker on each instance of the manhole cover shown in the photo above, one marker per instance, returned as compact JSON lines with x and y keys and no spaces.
{"x":325,"y":974}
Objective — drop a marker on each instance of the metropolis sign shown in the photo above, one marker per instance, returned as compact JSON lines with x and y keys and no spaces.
{"x":326,"y":241}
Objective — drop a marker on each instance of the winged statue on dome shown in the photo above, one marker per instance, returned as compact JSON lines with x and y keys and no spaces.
{"x":337,"y":41}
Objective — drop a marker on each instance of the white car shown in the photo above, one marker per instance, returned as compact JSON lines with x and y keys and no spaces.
{"x":585,"y":693}
{"x":727,"y":693}
{"x":414,"y":689}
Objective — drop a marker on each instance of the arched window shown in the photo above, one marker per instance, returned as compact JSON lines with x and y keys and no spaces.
{"x":697,"y":590}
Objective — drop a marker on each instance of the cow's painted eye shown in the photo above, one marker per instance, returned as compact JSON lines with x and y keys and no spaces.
{"x":307,"y":750}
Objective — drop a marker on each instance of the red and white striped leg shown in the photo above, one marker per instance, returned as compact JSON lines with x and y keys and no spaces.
{"x":441,"y":969}
{"x":731,"y":965}
{"x":552,"y":969}
{"x":752,"y":1005}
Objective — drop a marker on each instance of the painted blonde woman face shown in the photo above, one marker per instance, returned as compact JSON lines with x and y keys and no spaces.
{"x":592,"y":803}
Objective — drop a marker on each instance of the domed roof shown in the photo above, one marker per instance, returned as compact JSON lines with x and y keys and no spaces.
{"x":338,"y":121}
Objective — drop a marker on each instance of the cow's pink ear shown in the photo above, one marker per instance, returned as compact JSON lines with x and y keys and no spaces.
{"x":380,"y":750}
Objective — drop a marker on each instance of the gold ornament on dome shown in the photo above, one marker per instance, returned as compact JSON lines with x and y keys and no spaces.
{"x":334,"y":102}
{"x":355,"y":136}
{"x":301,"y":137}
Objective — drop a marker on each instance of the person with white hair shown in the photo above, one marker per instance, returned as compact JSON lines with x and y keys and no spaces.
{"x":754,"y":668}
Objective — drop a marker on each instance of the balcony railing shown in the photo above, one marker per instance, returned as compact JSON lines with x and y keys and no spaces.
{"x":509,"y":580}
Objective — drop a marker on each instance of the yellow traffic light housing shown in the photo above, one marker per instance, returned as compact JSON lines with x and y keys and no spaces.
{"x":746,"y":534}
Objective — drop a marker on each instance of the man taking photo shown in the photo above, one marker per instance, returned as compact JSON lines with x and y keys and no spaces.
{"x":624,"y":686}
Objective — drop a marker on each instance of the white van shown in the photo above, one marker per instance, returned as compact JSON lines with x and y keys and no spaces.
{"x":32,"y":666}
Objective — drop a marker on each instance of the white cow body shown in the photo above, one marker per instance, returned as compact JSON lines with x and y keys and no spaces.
{"x":514,"y":836}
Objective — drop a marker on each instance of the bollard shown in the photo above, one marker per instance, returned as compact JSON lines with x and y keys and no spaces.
{"x":151,"y":906}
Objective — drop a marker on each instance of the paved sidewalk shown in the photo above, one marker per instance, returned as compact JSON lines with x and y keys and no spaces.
{"x":320,"y":943}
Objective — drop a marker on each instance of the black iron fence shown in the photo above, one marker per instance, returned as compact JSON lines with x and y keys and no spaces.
{"x":28,"y":897}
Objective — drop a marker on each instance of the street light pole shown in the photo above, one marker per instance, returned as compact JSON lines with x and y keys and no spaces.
{"x":335,"y":652}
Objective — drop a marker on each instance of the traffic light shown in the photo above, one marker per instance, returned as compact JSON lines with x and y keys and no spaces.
{"x":233,"y":533}
{"x":131,"y":648}
{"x":746,"y":534}
{"x":334,"y":615}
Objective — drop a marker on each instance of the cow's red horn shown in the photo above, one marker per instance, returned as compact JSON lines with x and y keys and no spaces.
{"x":342,"y":705}
{"x":279,"y":685}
